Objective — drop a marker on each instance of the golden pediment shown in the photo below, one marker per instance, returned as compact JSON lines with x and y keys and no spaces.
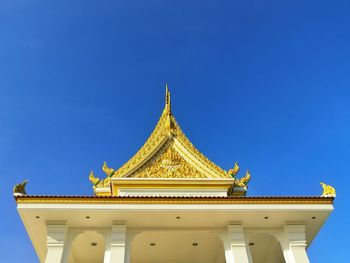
{"x":170,"y":164}
{"x":167,"y":153}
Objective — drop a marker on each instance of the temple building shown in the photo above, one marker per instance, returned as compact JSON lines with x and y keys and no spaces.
{"x":171,"y":204}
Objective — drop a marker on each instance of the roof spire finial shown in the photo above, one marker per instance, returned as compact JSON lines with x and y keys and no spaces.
{"x":167,"y":98}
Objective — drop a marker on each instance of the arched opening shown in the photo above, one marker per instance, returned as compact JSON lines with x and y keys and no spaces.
{"x":87,"y":247}
{"x":177,"y":247}
{"x":265,"y":248}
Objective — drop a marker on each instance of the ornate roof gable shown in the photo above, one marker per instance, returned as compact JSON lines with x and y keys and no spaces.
{"x":167,"y":153}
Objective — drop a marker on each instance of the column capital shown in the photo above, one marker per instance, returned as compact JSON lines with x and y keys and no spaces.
{"x":55,"y":242}
{"x":118,"y":234}
{"x":234,"y":244}
{"x":56,"y":234}
{"x":295,"y":243}
{"x":296,"y":234}
{"x":236,"y":234}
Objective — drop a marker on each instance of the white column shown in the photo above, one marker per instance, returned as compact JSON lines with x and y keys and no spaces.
{"x":71,"y":235}
{"x":235,"y":245}
{"x":129,"y":238}
{"x":249,"y":252}
{"x":56,"y":236}
{"x":115,"y":244}
{"x":107,"y":254}
{"x":294,"y":244}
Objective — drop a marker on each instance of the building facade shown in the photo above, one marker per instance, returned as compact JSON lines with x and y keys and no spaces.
{"x":171,"y":204}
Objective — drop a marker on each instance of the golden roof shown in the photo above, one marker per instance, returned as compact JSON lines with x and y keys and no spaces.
{"x":168,"y":153}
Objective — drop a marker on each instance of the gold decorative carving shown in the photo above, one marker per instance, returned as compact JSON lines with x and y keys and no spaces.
{"x":233,"y":172}
{"x":243,"y":182}
{"x":170,"y":164}
{"x":105,"y":182}
{"x":328,"y":191}
{"x":109,"y":171}
{"x":166,"y":125}
{"x":94,"y":180}
{"x":20,"y":189}
{"x":193,"y":150}
{"x":142,"y":165}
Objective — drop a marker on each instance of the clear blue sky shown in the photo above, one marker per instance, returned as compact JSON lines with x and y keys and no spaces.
{"x":266,"y":83}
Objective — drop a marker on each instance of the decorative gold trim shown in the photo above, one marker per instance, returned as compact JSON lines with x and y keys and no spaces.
{"x":157,"y":186}
{"x":174,"y":200}
{"x":195,"y":184}
{"x":105,"y":194}
{"x":172,"y":182}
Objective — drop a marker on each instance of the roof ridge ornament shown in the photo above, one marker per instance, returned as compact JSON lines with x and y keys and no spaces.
{"x":167,"y":109}
{"x":167,"y":99}
{"x":233,"y":172}
{"x":328,"y":191}
{"x":94,"y":180}
{"x":20,"y":189}
{"x":109,"y":171}
{"x":243,"y":181}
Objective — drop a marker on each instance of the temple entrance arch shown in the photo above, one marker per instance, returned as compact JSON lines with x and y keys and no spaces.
{"x":177,"y":247}
{"x":265,"y":248}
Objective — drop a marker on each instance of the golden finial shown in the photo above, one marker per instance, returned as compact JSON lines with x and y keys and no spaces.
{"x":109,"y":171}
{"x":242,"y":182}
{"x":94,"y":180}
{"x":167,"y":98}
{"x":20,"y":189}
{"x":328,"y":191}
{"x":234,"y":170}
